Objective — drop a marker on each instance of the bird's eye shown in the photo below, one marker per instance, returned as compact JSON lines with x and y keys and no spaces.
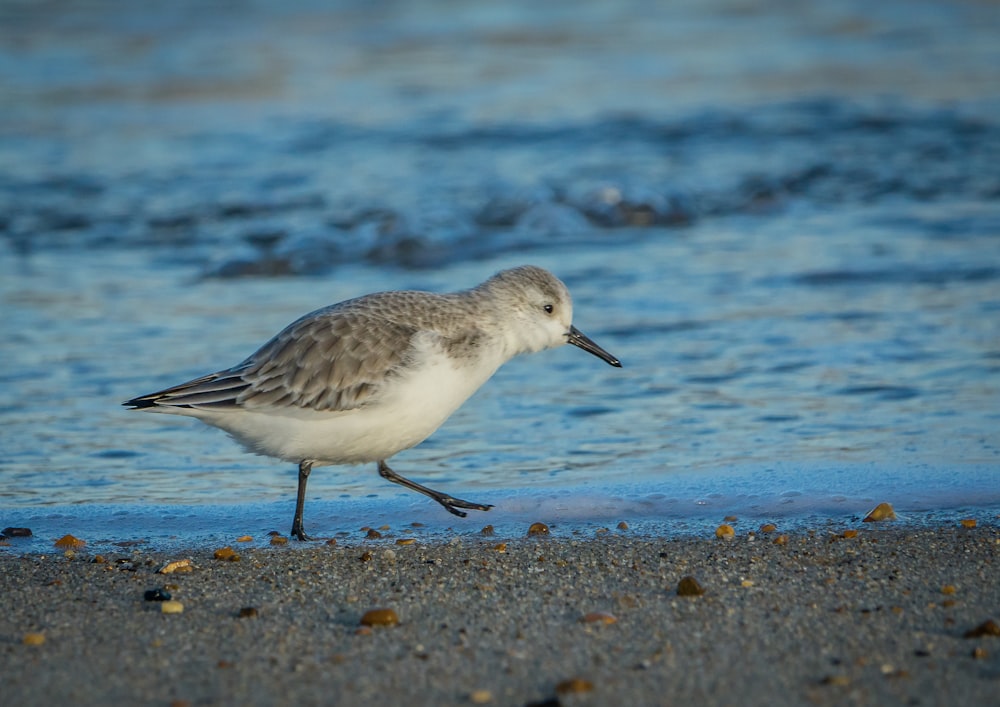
{"x":548,"y":309}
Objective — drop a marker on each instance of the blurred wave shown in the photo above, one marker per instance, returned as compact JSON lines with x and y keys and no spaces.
{"x":784,"y":220}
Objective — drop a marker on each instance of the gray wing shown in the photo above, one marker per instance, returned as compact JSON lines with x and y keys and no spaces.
{"x":328,"y":361}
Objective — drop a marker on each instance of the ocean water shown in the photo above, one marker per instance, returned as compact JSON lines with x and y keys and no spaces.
{"x":784,"y":220}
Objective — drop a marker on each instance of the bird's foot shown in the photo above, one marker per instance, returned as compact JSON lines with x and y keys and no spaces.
{"x":452,"y":504}
{"x":299,"y":533}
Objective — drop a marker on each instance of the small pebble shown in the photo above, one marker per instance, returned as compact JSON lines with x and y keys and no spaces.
{"x":245,"y":539}
{"x":176,"y":566}
{"x":373,"y":534}
{"x":598,"y":617}
{"x":968,"y":522}
{"x":538,"y":529}
{"x":279,"y":540}
{"x":16,"y":532}
{"x":487,"y":530}
{"x":838,"y":680}
{"x":987,"y":628}
{"x":730,"y":519}
{"x":725,"y":532}
{"x":156,"y":595}
{"x":68,"y":541}
{"x":248,"y":612}
{"x":500,"y":547}
{"x":848,"y":534}
{"x":33,"y":639}
{"x":882,"y":511}
{"x":480,"y":697}
{"x":781,"y":540}
{"x":331,"y":542}
{"x":171,"y":606}
{"x":379,"y":617}
{"x":979,"y":653}
{"x":948,"y":589}
{"x":689,"y":587}
{"x":574,"y":686}
{"x":622,"y":525}
{"x":768,"y":528}
{"x":405,"y":541}
{"x":226,"y":553}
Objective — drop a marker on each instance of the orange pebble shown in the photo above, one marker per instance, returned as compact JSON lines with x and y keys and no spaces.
{"x":574,"y":685}
{"x":68,"y":541}
{"x":598,"y":617}
{"x":379,"y":617}
{"x":689,"y":587}
{"x":538,"y":529}
{"x":882,"y":511}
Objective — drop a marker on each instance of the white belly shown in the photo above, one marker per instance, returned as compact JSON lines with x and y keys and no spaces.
{"x":410,"y":411}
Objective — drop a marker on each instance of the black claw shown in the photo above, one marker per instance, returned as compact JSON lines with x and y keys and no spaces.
{"x":465,"y":504}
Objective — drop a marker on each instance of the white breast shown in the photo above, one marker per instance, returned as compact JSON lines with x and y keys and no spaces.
{"x":412,"y":407}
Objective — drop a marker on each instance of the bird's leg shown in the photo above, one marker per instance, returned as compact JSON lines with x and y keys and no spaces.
{"x":298,"y":532}
{"x":449,"y":502}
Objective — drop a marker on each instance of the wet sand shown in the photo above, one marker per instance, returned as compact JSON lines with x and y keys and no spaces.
{"x":879,"y":618}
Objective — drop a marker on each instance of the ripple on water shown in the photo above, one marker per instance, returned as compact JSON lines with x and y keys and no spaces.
{"x":803,"y":292}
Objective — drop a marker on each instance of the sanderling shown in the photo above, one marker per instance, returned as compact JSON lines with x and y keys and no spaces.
{"x":366,"y":378}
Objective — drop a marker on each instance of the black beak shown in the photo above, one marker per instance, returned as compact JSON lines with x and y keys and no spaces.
{"x":578,"y":338}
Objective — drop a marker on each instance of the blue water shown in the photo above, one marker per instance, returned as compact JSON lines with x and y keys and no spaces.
{"x":785,"y":223}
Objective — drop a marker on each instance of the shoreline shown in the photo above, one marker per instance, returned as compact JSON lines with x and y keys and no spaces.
{"x":677,"y":510}
{"x":823,"y":618}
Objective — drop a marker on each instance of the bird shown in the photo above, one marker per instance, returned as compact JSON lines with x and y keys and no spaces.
{"x":361,"y":380}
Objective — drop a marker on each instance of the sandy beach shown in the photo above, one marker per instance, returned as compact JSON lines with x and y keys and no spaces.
{"x":783,"y":219}
{"x":815,"y":618}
